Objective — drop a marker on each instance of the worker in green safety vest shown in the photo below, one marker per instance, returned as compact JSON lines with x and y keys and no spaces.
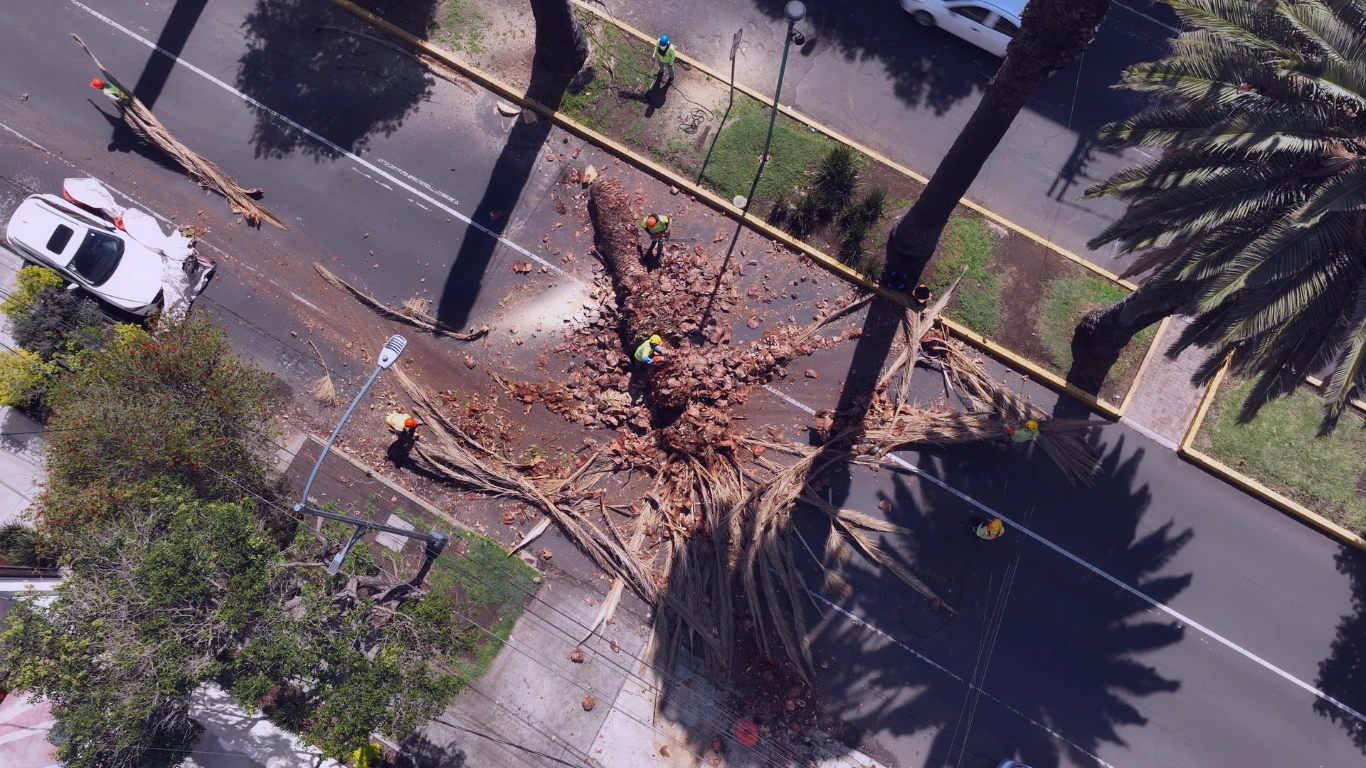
{"x":657,"y":224}
{"x":666,"y":54}
{"x":649,"y":350}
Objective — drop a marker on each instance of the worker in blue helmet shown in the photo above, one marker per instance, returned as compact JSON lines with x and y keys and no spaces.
{"x":666,"y":54}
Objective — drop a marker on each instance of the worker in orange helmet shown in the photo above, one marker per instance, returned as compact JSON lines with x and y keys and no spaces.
{"x":114,"y":92}
{"x":657,"y":224}
{"x":987,"y":530}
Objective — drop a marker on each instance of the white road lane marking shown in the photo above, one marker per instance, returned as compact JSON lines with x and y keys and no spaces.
{"x":325,"y":142}
{"x":1159,"y":606}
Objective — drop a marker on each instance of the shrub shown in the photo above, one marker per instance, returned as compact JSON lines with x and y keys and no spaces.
{"x":866,"y":212}
{"x":59,"y":323}
{"x":30,"y":281}
{"x":179,"y":403}
{"x":837,"y":176}
{"x":18,"y":545}
{"x":24,"y":377}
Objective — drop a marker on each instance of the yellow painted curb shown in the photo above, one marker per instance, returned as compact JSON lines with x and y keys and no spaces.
{"x":1143,"y":366}
{"x":1247,"y":484}
{"x":1034,"y":370}
{"x":821,"y":258}
{"x":869,"y":151}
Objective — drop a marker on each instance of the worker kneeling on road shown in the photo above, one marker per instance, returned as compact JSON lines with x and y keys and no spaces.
{"x":114,"y":93}
{"x":987,"y":530}
{"x":1024,"y":434}
{"x":657,"y":224}
{"x":649,"y":350}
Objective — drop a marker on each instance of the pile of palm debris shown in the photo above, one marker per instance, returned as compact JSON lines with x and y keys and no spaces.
{"x":709,"y":521}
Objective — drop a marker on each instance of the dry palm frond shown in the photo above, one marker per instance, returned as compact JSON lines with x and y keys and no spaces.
{"x":417,"y":306}
{"x":880,"y":556}
{"x":837,"y":549}
{"x":833,"y":581}
{"x":416,"y":319}
{"x":323,"y":390}
{"x":145,"y":125}
{"x":853,"y":516}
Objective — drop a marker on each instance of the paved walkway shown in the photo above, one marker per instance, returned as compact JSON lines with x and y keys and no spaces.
{"x":1165,"y":401}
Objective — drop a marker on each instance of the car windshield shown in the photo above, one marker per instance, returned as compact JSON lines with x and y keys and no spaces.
{"x":98,"y":257}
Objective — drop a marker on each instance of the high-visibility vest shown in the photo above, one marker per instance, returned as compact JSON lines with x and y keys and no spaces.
{"x":661,"y":224}
{"x":985,"y":532}
{"x":666,"y":55}
{"x":645,"y":352}
{"x":1023,"y":434}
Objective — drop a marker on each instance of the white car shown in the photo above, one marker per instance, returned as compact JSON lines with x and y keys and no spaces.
{"x":94,"y":253}
{"x":987,"y":24}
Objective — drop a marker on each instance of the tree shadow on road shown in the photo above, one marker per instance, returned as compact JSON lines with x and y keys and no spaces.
{"x":1343,"y":674}
{"x":344,"y":87}
{"x":1039,"y":644}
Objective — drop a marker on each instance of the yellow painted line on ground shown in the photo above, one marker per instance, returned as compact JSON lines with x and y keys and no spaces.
{"x":821,"y":258}
{"x":1247,"y":484}
{"x":869,"y":151}
{"x":1143,"y":366}
{"x":1033,"y":369}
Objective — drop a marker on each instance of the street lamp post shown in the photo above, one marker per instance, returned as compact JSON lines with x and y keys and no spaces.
{"x":435,"y":541}
{"x":795,"y":11}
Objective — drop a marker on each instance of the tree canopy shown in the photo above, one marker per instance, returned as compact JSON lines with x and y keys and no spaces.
{"x":1253,"y":215}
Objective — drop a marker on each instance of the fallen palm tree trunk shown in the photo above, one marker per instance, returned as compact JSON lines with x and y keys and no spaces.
{"x":141,"y":120}
{"x":411,"y":317}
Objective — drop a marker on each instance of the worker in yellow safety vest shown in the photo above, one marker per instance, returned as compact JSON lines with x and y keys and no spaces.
{"x":1024,"y":434}
{"x":115,"y":93}
{"x":987,"y":530}
{"x":666,"y":54}
{"x":649,"y":350}
{"x":657,"y":224}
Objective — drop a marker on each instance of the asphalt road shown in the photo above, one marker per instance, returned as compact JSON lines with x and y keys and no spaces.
{"x":1157,"y":618}
{"x":870,"y":72}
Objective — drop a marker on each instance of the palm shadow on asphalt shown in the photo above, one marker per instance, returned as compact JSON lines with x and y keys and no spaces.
{"x":1343,"y":674}
{"x":930,"y":69}
{"x":344,"y":87}
{"x":1021,"y":657}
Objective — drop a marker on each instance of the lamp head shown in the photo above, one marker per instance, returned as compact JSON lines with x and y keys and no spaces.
{"x":392,"y":349}
{"x":795,"y":11}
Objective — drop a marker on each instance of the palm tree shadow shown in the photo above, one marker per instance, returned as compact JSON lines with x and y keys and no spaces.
{"x":1343,"y":674}
{"x":1038,"y":644}
{"x":345,"y":88}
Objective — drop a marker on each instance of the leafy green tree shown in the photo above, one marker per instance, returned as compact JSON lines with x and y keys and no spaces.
{"x":1253,"y":217}
{"x":31,"y":281}
{"x":176,"y":401}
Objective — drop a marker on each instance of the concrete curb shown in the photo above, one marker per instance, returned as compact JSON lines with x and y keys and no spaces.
{"x":869,"y":151}
{"x":1247,"y":484}
{"x":822,"y":259}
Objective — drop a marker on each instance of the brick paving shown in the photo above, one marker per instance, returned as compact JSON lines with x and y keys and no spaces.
{"x":1165,"y":402}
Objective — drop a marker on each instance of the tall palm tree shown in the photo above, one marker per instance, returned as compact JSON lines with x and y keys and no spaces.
{"x":1254,"y":216}
{"x":1052,"y":34}
{"x":560,"y":43}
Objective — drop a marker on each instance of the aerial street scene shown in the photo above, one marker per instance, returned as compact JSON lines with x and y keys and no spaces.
{"x":692,"y":384}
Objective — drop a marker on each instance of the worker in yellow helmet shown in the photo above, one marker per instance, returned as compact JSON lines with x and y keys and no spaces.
{"x":649,"y":350}
{"x":657,"y":224}
{"x":987,"y":530}
{"x":1024,"y":434}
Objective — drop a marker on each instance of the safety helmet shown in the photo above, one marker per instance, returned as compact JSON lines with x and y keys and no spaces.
{"x":663,"y":41}
{"x":410,"y":423}
{"x":651,"y":220}
{"x":656,"y":340}
{"x":1031,"y":424}
{"x":97,"y":83}
{"x":996,"y":526}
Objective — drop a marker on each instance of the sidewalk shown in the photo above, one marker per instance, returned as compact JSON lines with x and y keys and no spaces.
{"x":1164,"y":400}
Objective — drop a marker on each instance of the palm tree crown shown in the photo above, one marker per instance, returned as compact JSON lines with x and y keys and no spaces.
{"x":1254,"y":217}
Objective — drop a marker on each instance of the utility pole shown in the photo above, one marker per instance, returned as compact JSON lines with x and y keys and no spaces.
{"x":795,"y":11}
{"x":435,"y":541}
